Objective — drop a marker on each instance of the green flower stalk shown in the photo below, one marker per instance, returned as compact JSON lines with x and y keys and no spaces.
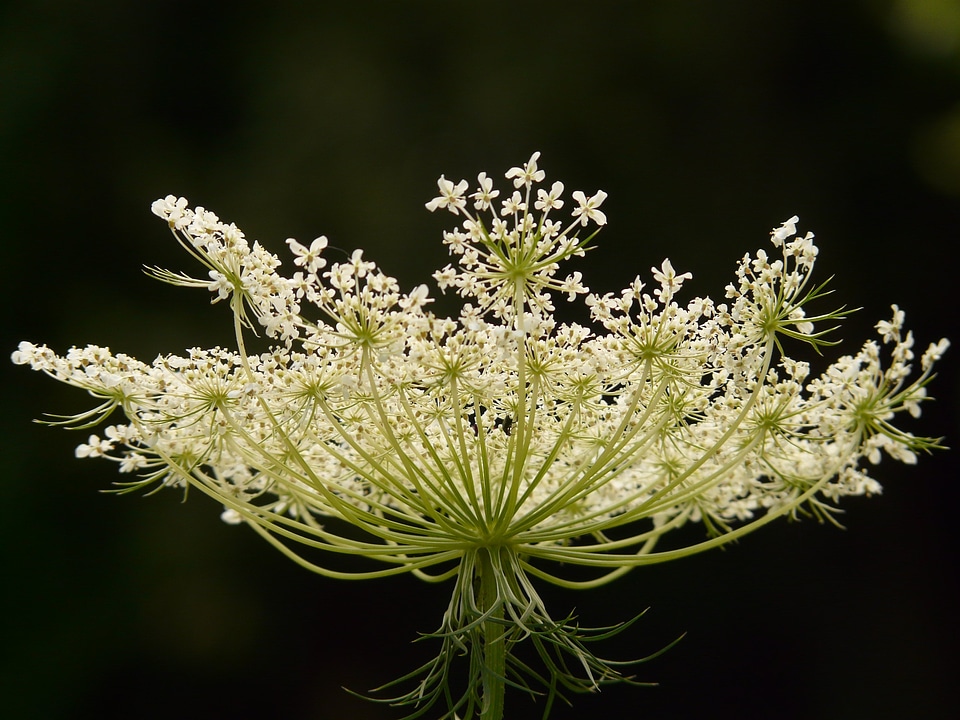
{"x":500,"y":448}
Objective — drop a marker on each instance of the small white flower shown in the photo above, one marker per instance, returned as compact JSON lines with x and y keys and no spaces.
{"x":485,"y":194}
{"x":787,"y":229}
{"x":587,"y":207}
{"x":132,"y":462}
{"x":669,"y":281}
{"x":94,"y":447}
{"x":416,"y":299}
{"x":451,"y":196}
{"x":231,"y":516}
{"x":24,"y":354}
{"x":220,"y":284}
{"x":933,"y":353}
{"x":514,"y":205}
{"x":528,"y":174}
{"x":549,"y":201}
{"x":890,"y":329}
{"x":170,"y":208}
{"x":309,"y":257}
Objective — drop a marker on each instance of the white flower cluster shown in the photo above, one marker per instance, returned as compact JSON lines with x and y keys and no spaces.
{"x":502,"y":430}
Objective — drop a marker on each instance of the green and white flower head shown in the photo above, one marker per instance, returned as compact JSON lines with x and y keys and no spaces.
{"x":501,"y":446}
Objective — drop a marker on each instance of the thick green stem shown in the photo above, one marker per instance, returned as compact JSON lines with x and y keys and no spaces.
{"x":494,"y":650}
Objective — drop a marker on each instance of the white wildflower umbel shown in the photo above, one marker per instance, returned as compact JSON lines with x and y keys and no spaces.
{"x":501,"y":446}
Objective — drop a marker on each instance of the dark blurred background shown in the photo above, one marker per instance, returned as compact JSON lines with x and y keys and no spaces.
{"x":707,"y":124}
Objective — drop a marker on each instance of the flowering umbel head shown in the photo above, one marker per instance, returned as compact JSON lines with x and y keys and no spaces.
{"x":500,"y":445}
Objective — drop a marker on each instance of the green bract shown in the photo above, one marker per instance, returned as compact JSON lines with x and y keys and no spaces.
{"x":501,"y":445}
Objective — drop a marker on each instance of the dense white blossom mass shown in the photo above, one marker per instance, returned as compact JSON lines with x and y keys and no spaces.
{"x":501,"y":439}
